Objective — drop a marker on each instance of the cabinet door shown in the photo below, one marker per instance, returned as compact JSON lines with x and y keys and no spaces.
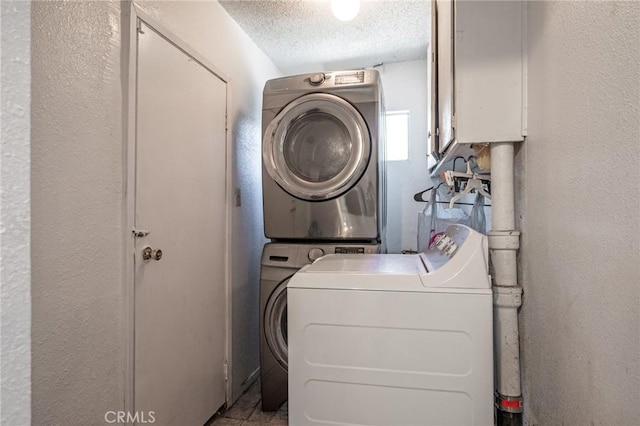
{"x":446,"y":107}
{"x":489,"y":79}
{"x":432,"y":78}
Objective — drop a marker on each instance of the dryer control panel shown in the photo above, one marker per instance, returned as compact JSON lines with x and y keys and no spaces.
{"x":317,"y":79}
{"x":349,"y":78}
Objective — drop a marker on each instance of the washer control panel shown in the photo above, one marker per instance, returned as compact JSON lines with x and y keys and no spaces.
{"x":296,"y":255}
{"x":315,"y":254}
{"x":349,"y":250}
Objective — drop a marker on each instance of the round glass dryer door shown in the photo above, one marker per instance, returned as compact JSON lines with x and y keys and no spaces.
{"x":275,"y":323}
{"x":317,"y":147}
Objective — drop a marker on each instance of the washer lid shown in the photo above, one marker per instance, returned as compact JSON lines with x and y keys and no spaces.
{"x":459,"y":270}
{"x":359,"y":264}
{"x":370,"y":272}
{"x":317,"y":147}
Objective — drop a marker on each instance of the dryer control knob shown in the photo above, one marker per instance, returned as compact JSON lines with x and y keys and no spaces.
{"x":317,"y":79}
{"x":315,"y":254}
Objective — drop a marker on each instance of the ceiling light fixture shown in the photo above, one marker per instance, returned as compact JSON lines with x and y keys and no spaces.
{"x":345,"y":10}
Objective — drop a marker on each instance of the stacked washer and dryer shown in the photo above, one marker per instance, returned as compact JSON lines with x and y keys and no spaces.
{"x":324,"y":191}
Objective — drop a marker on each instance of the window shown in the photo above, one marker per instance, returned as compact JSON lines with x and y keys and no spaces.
{"x":397,"y":135}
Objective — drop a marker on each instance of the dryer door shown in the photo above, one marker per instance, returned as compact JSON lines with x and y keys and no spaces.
{"x":317,"y":147}
{"x":275,"y":323}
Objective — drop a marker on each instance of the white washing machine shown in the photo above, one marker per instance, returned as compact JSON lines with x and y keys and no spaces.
{"x":279,"y":262}
{"x":394,"y":339}
{"x":323,"y":149}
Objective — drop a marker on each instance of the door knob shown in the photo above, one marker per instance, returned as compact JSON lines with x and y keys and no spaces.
{"x":156,"y":254}
{"x":148,"y":253}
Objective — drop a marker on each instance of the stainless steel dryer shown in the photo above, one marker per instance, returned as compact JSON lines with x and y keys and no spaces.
{"x":279,"y":263}
{"x":323,"y":150}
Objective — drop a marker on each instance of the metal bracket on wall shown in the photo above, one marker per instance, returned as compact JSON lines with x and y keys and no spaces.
{"x":140,"y":233}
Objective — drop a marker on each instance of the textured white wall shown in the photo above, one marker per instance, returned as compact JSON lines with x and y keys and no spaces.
{"x":15,"y":269}
{"x":77,"y":211}
{"x":581,"y":209}
{"x":405,"y":88}
{"x":207,"y":27}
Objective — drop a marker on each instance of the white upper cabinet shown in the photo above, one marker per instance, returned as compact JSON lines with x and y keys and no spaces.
{"x":480,"y":63}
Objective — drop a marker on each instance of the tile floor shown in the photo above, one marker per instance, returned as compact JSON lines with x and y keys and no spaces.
{"x":247,"y":411}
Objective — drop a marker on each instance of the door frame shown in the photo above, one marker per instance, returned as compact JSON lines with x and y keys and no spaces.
{"x":129,"y":75}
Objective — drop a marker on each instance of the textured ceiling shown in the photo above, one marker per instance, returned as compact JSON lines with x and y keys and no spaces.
{"x":304,"y":36}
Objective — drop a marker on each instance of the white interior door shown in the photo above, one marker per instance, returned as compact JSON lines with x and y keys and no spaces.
{"x":180,"y":308}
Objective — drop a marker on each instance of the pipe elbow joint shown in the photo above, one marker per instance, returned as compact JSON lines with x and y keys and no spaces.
{"x":507,"y":297}
{"x":504,"y":240}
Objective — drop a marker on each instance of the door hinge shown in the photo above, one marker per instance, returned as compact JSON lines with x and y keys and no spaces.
{"x":226,"y":371}
{"x":139,"y":26}
{"x":453,"y":121}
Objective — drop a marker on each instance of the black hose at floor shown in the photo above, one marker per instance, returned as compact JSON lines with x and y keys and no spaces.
{"x":504,"y":418}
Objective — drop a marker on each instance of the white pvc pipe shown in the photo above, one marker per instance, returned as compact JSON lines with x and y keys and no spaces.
{"x":504,"y":267}
{"x":502,"y":184}
{"x":503,"y":246}
{"x":506,"y":340}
